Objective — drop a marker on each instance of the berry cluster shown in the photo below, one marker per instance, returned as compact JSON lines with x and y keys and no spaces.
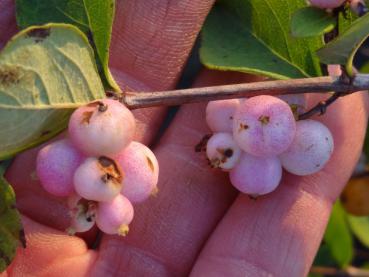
{"x":254,"y":138}
{"x":99,"y":168}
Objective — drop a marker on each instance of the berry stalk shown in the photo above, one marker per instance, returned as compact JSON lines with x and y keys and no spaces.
{"x":294,"y":86}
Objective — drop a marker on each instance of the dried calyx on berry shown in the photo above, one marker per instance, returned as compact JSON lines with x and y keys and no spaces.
{"x":98,"y":179}
{"x":103,"y":127}
{"x":82,"y":213}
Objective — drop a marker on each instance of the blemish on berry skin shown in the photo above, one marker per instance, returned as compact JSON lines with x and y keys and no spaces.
{"x":86,"y":116}
{"x":264,"y":119}
{"x":215,"y":163}
{"x":94,"y":104}
{"x":225,"y":155}
{"x":150,"y":163}
{"x":228,"y":153}
{"x":243,"y":127}
{"x":309,"y":147}
{"x":111,"y":170}
{"x":102,"y":107}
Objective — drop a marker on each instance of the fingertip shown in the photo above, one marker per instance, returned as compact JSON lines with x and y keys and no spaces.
{"x":50,"y":252}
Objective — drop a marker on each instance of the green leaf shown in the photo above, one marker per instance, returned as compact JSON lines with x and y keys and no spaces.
{"x":342,"y":49}
{"x":45,"y":73}
{"x":100,"y":20}
{"x":93,"y":17}
{"x":338,"y":236}
{"x":254,"y":36}
{"x":345,"y":19}
{"x":310,"y":22}
{"x":360,"y":227}
{"x":11,"y":231}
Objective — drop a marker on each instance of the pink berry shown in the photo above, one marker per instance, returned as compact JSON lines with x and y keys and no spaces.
{"x":255,"y":175}
{"x":102,"y":127}
{"x":310,"y":150}
{"x":82,"y":216}
{"x":219,"y":114}
{"x":141,"y":171}
{"x":326,"y":4}
{"x":264,"y":126}
{"x":222,"y":151}
{"x":114,"y":217}
{"x":56,"y":164}
{"x":98,"y":179}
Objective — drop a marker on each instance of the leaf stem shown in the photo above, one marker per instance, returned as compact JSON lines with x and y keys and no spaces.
{"x":293,"y":86}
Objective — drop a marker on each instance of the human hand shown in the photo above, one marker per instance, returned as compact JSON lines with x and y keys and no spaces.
{"x":197,"y":223}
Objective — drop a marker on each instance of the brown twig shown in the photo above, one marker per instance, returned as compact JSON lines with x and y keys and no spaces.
{"x":279,"y":87}
{"x":321,"y":107}
{"x":347,"y":272}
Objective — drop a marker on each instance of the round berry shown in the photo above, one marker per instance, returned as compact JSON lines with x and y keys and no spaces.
{"x":219,"y":114}
{"x":310,"y":150}
{"x":83,"y":216}
{"x":141,"y":171}
{"x":102,"y":128}
{"x":264,"y":126}
{"x":255,"y":175}
{"x":114,"y":217}
{"x":222,"y":151}
{"x":55,"y":167}
{"x":98,"y":179}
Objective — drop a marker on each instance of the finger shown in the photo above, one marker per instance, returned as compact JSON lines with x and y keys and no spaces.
{"x":176,"y":26}
{"x":279,"y":234}
{"x":169,"y":230}
{"x":50,"y":253}
{"x":151,"y":42}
